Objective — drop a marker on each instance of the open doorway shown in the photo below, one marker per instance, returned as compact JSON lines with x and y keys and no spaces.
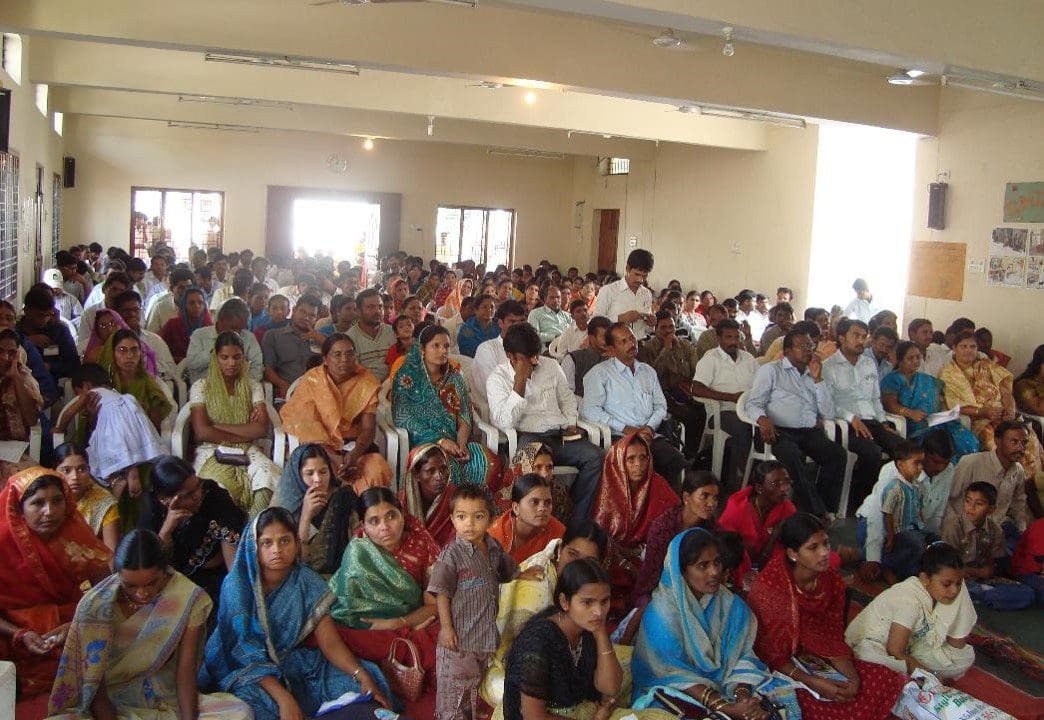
{"x":607,"y":230}
{"x":343,"y":229}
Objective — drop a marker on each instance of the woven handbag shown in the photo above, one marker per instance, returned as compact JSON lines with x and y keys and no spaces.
{"x":405,"y":680}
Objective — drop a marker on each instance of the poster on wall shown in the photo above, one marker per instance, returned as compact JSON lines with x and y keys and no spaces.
{"x":1006,"y":271}
{"x":1035,"y":272}
{"x":1036,"y":242}
{"x":1024,"y":202}
{"x":1009,"y":241}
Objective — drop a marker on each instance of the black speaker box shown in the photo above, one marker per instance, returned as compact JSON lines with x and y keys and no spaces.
{"x":5,"y":119}
{"x":69,"y":172}
{"x":937,"y":206}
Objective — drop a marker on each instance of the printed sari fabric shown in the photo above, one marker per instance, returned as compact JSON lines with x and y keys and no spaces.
{"x":923,"y":392}
{"x":98,"y":507}
{"x":986,"y":384}
{"x":436,"y":516}
{"x":41,"y":580}
{"x":503,"y":531}
{"x":627,"y":511}
{"x":522,"y":464}
{"x":431,"y":412}
{"x":792,"y":622}
{"x":325,"y":412}
{"x":374,"y":583}
{"x":262,"y":635}
{"x":134,"y":658}
{"x":333,"y":524}
{"x":684,"y":641}
{"x":251,"y":485}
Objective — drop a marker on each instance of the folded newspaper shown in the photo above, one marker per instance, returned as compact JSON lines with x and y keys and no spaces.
{"x":817,"y":667}
{"x":349,"y":698}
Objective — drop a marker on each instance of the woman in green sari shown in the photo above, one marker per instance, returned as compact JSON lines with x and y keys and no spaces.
{"x":430,"y":400}
{"x":121,"y":357}
{"x":379,"y":586}
{"x":228,"y":409}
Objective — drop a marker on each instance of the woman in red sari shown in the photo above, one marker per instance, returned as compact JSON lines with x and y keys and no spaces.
{"x":192,"y":315}
{"x":528,"y":525}
{"x":756,"y":511}
{"x":630,"y":496}
{"x":49,"y":551}
{"x":425,"y":492}
{"x":799,"y":601}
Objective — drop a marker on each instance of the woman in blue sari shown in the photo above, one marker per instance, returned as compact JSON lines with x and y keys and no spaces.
{"x":270,"y":604}
{"x":916,"y":395}
{"x":696,"y":642}
{"x":430,"y":400}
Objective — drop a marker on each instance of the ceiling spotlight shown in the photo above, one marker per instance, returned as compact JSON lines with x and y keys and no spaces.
{"x":368,"y":144}
{"x":729,"y":49}
{"x":688,"y":109}
{"x":530,"y":98}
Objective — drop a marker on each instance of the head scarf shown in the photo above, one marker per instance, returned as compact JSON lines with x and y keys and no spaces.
{"x":107,"y":358}
{"x":437,"y":517}
{"x":626,"y":510}
{"x":223,"y":408}
{"x":292,"y":488}
{"x":203,"y":319}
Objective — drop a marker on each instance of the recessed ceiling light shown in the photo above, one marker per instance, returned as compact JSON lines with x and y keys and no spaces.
{"x":368,"y":144}
{"x":916,"y":73}
{"x":530,"y":98}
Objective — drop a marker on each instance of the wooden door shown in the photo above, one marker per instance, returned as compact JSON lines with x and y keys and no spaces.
{"x":608,"y":238}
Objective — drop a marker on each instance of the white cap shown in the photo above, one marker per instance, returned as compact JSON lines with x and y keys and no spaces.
{"x":52,"y":278}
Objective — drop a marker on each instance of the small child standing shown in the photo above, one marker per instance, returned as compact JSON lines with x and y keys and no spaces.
{"x":980,"y":542}
{"x":121,"y":434}
{"x":466,"y":582}
{"x":905,"y":534}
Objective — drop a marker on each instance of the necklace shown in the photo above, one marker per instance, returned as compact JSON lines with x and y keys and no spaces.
{"x":131,"y":601}
{"x":575,"y":652}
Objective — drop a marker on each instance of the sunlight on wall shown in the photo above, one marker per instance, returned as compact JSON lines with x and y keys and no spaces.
{"x":862,"y":215}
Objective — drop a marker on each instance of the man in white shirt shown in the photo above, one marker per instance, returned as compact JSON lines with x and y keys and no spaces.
{"x":852,"y":380}
{"x":68,"y":306}
{"x":935,"y":482}
{"x":242,"y":279}
{"x":758,"y":318}
{"x":155,"y":277}
{"x":723,"y":374}
{"x":861,"y":307}
{"x":115,"y":284}
{"x":934,"y":355}
{"x":164,"y":305}
{"x":628,"y":300}
{"x":573,"y":337}
{"x":128,"y":305}
{"x":491,"y":352}
{"x":529,"y":394}
{"x":259,"y":266}
{"x":233,"y":316}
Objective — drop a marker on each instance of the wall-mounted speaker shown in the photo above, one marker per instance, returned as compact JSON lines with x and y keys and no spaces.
{"x":69,"y":172}
{"x":5,"y":118}
{"x":937,"y":205}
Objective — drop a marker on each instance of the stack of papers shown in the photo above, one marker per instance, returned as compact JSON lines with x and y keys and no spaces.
{"x":944,"y":417}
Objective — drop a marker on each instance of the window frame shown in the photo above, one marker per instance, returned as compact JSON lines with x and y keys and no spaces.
{"x":485,"y":230}
{"x":10,"y":215}
{"x":132,"y":249}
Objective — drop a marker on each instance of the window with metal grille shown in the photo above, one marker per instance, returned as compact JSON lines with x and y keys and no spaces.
{"x":8,"y":225}
{"x":619,"y":166}
{"x":485,"y":235}
{"x":56,"y":216}
{"x":181,"y":218}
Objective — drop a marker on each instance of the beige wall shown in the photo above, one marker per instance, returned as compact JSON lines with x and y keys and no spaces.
{"x":715,"y":219}
{"x":114,"y":154}
{"x":33,"y":138}
{"x":984,"y":141}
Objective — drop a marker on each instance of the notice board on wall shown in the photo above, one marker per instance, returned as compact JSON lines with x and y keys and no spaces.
{"x":937,"y":270}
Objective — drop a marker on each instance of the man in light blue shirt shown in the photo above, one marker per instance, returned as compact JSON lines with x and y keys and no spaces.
{"x":881,"y":349}
{"x":856,"y":394}
{"x":550,"y":320}
{"x":625,"y":395}
{"x":786,"y":402}
{"x":935,"y":484}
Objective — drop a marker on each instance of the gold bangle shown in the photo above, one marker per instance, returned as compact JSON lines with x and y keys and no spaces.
{"x":610,"y":651}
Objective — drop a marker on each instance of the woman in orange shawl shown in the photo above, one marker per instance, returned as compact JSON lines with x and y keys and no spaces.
{"x":49,"y":552}
{"x":984,"y":392}
{"x":630,"y":496}
{"x":528,"y":526}
{"x":799,"y":601}
{"x":334,"y":404}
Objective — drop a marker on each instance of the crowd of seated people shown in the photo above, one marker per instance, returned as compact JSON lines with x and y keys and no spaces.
{"x":552,"y":542}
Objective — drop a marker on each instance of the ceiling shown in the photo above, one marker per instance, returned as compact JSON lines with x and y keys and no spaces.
{"x":590,"y":65}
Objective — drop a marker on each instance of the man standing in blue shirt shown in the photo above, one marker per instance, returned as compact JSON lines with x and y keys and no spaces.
{"x":786,"y":402}
{"x":625,"y":395}
{"x":856,"y":396}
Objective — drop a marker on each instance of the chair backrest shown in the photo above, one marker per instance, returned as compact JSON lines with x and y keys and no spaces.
{"x":293,"y":386}
{"x":741,"y":408}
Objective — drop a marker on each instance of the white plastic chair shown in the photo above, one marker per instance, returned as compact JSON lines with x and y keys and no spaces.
{"x":760,"y":455}
{"x":713,"y":432}
{"x":181,"y":436}
{"x":899,"y":421}
{"x":35,"y":444}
